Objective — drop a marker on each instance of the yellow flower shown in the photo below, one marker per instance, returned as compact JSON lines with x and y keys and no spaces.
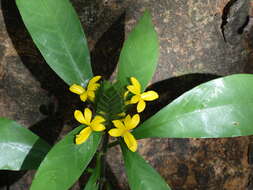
{"x":92,"y":125}
{"x":139,"y":97}
{"x":88,"y":93}
{"x":122,"y":114}
{"x":126,"y":102}
{"x":123,"y":129}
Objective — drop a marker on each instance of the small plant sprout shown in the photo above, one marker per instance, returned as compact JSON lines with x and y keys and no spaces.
{"x":124,"y":125}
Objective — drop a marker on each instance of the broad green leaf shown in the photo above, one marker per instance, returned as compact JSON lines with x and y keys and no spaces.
{"x":57,"y":32}
{"x":219,"y":108}
{"x":92,"y":183}
{"x":20,"y":149}
{"x":139,"y":55}
{"x":141,"y":176}
{"x":65,"y":162}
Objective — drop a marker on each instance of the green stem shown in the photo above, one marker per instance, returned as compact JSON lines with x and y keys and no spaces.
{"x":115,"y":143}
{"x":103,"y":161}
{"x":89,"y":170}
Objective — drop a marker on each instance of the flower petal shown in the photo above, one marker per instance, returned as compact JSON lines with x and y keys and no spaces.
{"x":94,"y":79}
{"x":141,"y":106}
{"x":87,"y":115}
{"x":125,"y":94}
{"x":127,"y":121}
{"x":115,"y":132}
{"x":118,"y":124}
{"x":122,"y":114}
{"x":98,"y":127}
{"x":98,"y":119}
{"x":130,"y":141}
{"x":136,"y":84}
{"x":80,"y":117}
{"x":91,"y":95}
{"x":83,"y":96}
{"x":77,"y":89}
{"x":149,"y":96}
{"x":134,"y":121}
{"x":93,"y":86}
{"x":135,"y":99}
{"x":133,"y":89}
{"x":83,"y":135}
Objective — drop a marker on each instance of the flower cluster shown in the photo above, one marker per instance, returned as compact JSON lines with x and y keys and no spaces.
{"x":123,"y":128}
{"x":124,"y":125}
{"x":139,"y":97}
{"x":92,"y":124}
{"x":88,"y":93}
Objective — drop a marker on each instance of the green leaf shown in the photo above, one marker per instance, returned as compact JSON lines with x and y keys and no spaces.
{"x":219,"y":108}
{"x":92,"y":184}
{"x":139,"y":54}
{"x":65,"y":162}
{"x":20,"y":148}
{"x":57,"y":32}
{"x":140,"y":174}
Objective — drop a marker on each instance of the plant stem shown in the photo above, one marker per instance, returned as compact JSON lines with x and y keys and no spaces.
{"x":115,"y":143}
{"x":103,"y":160}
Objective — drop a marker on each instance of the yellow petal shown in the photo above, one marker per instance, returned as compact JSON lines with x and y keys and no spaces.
{"x":98,"y":127}
{"x":136,"y":84}
{"x":83,"y":96}
{"x":94,"y":79}
{"x":133,"y":89}
{"x":87,"y":115}
{"x":91,"y":95}
{"x":83,"y":135}
{"x":118,"y":124}
{"x":80,"y":118}
{"x":141,"y":106}
{"x":125,"y":94}
{"x":130,"y":141}
{"x":77,"y":89}
{"x":134,"y":121}
{"x":91,"y":99}
{"x":135,"y":99}
{"x":115,"y":132}
{"x":149,"y":96}
{"x":122,"y":114}
{"x":127,"y":120}
{"x":98,"y":119}
{"x":93,"y":86}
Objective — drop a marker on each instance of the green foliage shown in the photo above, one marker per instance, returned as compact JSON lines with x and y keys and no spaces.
{"x":219,"y":108}
{"x":57,"y":32}
{"x":139,"y":54}
{"x":93,"y":184}
{"x":65,"y":162}
{"x":141,"y":176}
{"x":21,"y":149}
{"x":109,"y":101}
